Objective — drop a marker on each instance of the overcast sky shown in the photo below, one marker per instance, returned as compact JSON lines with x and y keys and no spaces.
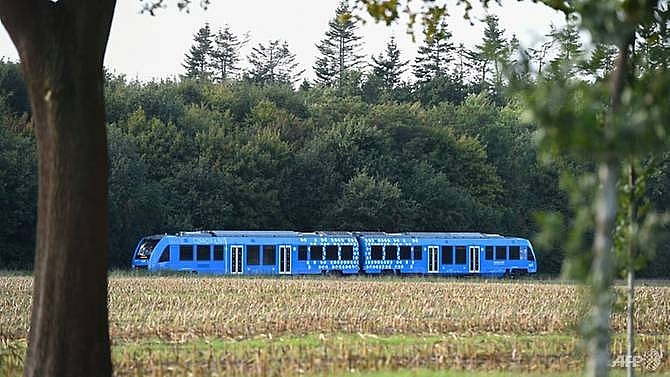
{"x":145,"y":47}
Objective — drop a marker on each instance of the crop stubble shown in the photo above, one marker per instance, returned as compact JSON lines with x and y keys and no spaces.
{"x":261,"y":326}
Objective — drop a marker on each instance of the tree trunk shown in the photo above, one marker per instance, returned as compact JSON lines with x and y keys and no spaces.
{"x":602,"y":272}
{"x":62,"y":45}
{"x":630,"y":307}
{"x":602,"y":269}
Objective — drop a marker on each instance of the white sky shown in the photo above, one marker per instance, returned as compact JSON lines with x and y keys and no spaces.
{"x":145,"y":47}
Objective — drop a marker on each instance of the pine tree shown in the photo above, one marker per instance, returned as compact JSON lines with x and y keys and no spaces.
{"x":570,"y":50}
{"x":272,"y":64}
{"x":326,"y":67}
{"x":600,"y":63}
{"x":438,"y":77}
{"x":340,"y":50}
{"x":538,"y":56}
{"x":226,"y":54}
{"x":489,"y":56}
{"x":435,"y":55}
{"x":462,"y":64}
{"x":654,"y":52}
{"x":518,"y":58}
{"x":388,"y":67}
{"x":198,"y":60}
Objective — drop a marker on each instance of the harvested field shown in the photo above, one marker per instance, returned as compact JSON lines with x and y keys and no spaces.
{"x":266,"y":327}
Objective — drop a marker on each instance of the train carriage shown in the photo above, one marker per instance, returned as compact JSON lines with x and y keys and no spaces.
{"x":446,"y":254}
{"x":250,"y":253}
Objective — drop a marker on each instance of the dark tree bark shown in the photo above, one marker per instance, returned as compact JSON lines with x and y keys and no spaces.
{"x":61,"y":45}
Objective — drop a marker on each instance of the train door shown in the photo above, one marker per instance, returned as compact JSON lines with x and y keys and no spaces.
{"x":433,"y":265}
{"x":285,"y":259}
{"x":236,"y":259}
{"x":474,"y":259}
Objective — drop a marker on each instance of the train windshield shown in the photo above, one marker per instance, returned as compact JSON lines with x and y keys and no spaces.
{"x":531,"y":254}
{"x":146,"y":248}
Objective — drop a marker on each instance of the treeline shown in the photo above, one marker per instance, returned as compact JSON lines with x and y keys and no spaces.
{"x":196,"y":155}
{"x":355,"y":150}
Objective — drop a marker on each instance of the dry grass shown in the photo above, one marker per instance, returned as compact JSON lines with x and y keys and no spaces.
{"x":246,"y":326}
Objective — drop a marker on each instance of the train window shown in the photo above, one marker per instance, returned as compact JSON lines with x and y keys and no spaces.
{"x":146,"y":248}
{"x":501,"y":252}
{"x":165,"y":256}
{"x":461,"y":255}
{"x":529,"y":255}
{"x":391,"y":252}
{"x":316,"y":252}
{"x":447,"y":255}
{"x":377,"y":252}
{"x":203,"y":252}
{"x":302,"y":252}
{"x":418,"y":254}
{"x":218,"y":252}
{"x":489,"y":253}
{"x":405,"y":252}
{"x":332,"y":252}
{"x":253,"y":255}
{"x":514,"y":252}
{"x":269,"y":255}
{"x":185,"y":252}
{"x":347,"y":252}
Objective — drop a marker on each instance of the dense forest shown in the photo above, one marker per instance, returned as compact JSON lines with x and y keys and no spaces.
{"x":363,"y":147}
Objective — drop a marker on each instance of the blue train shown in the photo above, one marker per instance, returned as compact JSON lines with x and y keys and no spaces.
{"x":344,"y":253}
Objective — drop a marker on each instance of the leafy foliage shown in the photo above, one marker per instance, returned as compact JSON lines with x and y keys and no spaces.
{"x":13,"y":90}
{"x":18,"y":199}
{"x":250,"y":156}
{"x":189,"y":155}
{"x":441,"y":156}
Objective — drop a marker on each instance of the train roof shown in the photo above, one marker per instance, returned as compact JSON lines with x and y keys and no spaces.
{"x":263,"y":233}
{"x":332,"y":233}
{"x":438,"y":235}
{"x":453,"y":235}
{"x":242,"y":233}
{"x":370,"y":234}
